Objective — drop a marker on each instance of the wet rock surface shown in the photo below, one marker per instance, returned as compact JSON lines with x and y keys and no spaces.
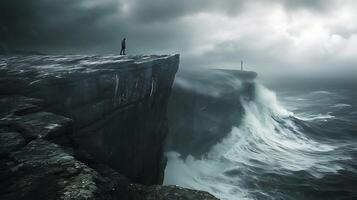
{"x":10,"y":141}
{"x":45,"y":114}
{"x":42,"y":125}
{"x":18,"y":105}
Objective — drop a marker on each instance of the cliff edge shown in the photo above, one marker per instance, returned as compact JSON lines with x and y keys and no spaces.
{"x":85,"y":127}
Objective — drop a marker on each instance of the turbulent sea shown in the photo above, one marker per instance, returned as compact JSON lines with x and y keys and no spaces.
{"x":296,"y":141}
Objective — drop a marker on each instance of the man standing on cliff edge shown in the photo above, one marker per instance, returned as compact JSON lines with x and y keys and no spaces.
{"x":123,"y":46}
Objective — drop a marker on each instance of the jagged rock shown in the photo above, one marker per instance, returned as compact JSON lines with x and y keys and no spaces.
{"x":18,"y":105}
{"x":44,"y":171}
{"x":176,"y":193}
{"x":10,"y":141}
{"x":43,"y":125}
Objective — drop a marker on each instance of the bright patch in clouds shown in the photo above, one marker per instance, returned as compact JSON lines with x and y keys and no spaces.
{"x":274,"y":38}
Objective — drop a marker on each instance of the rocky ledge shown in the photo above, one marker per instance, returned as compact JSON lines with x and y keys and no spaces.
{"x":53,"y":109}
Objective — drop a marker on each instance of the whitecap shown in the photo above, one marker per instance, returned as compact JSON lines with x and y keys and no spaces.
{"x":305,"y":117}
{"x":341,"y":105}
{"x":267,"y":140}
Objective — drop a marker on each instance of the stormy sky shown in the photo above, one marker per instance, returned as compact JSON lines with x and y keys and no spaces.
{"x":271,"y":36}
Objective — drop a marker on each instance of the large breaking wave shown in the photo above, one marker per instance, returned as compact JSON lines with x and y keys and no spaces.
{"x":270,"y":143}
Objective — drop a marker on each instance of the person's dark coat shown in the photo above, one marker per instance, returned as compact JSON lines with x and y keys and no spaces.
{"x":123,"y":45}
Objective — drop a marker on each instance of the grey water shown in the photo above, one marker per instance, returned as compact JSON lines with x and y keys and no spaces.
{"x":297,"y":140}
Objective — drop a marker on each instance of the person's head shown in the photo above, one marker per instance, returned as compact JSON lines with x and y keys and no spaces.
{"x":124,"y":39}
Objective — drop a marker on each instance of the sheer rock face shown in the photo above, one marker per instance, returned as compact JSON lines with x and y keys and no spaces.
{"x":117,"y":104}
{"x":85,"y":127}
{"x":203,"y":108}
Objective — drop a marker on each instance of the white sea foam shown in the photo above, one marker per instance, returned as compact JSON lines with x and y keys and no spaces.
{"x":341,"y":105}
{"x":267,"y":140}
{"x":315,"y":117}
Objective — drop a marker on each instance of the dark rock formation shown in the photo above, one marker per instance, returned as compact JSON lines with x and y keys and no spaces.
{"x":118,"y":104}
{"x":203,"y":108}
{"x":85,"y":127}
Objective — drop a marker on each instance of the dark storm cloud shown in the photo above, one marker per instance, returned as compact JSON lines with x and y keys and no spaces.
{"x":67,"y":25}
{"x":54,"y":24}
{"x":162,"y":10}
{"x":268,"y":34}
{"x":82,"y":24}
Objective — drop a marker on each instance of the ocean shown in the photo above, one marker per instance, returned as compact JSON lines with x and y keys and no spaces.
{"x":297,"y":141}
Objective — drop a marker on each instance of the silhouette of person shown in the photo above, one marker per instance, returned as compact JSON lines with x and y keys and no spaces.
{"x":123,"y":46}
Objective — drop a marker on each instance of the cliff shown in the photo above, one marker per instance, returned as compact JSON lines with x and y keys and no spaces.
{"x":204,"y":106}
{"x":85,"y":127}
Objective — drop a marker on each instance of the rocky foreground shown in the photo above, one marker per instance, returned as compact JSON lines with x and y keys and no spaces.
{"x":41,"y":156}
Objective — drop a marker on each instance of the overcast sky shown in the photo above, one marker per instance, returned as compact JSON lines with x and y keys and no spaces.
{"x":271,"y":36}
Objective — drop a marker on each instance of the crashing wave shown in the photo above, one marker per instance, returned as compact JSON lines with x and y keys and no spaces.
{"x":269,"y":140}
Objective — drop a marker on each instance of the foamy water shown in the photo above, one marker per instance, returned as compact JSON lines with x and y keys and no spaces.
{"x":270,"y":142}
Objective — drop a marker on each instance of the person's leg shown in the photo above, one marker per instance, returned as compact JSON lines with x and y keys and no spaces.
{"x":124,"y":52}
{"x":121,"y":52}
